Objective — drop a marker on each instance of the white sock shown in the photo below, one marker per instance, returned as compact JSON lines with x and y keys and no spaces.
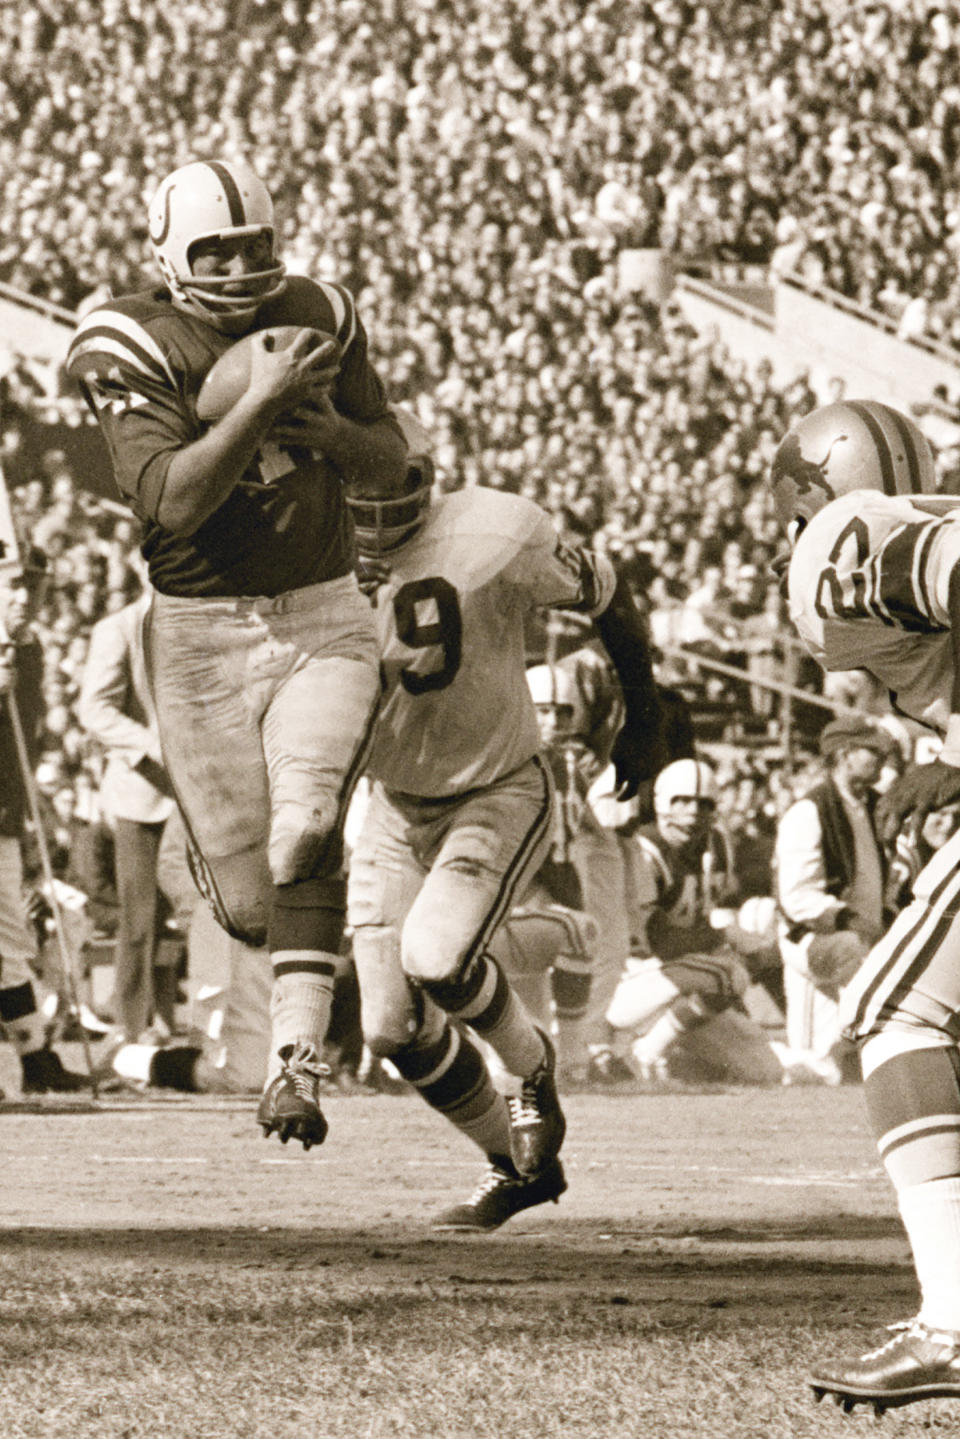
{"x":931,"y":1217}
{"x":658,"y":1039}
{"x":133,"y":1061}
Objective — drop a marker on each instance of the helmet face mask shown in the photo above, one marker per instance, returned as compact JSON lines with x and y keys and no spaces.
{"x":213,"y":201}
{"x":384,"y":522}
{"x":850,"y":445}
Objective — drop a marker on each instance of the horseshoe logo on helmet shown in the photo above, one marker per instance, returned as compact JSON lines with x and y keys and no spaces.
{"x":158,"y":239}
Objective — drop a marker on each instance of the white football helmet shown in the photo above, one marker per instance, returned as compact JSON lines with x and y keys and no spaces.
{"x":684,"y":779}
{"x":206,"y":200}
{"x":383,"y":521}
{"x":850,"y":445}
{"x":555,"y":692}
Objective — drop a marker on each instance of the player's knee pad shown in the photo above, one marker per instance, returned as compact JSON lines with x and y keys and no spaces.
{"x":307,"y":914}
{"x":913,"y":1099}
{"x":391,"y":1008}
{"x":479,"y":989}
{"x":304,"y":842}
{"x":236,"y":889}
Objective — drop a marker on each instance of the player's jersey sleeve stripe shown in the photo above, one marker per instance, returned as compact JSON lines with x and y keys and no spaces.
{"x":125,"y":339}
{"x":232,"y":194}
{"x":922,"y":585}
{"x":344,"y":314}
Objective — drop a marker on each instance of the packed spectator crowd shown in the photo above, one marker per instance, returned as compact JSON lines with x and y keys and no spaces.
{"x":467,"y":155}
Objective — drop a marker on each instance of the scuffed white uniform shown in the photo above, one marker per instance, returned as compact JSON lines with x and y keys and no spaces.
{"x":457,"y":711}
{"x":460,"y":808}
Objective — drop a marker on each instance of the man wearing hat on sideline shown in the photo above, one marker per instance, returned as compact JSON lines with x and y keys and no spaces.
{"x":830,"y":874}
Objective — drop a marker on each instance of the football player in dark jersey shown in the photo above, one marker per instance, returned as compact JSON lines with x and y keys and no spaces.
{"x":261,"y":647}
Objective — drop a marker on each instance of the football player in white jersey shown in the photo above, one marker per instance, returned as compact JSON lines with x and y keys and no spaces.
{"x":459,"y":817}
{"x":874,"y":583}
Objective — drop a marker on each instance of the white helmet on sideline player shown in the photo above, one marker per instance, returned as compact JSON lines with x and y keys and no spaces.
{"x":684,"y":798}
{"x":560,"y":707}
{"x":211,"y":200}
{"x":850,"y":445}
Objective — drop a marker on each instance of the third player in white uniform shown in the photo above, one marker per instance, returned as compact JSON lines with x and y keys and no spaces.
{"x":874,"y":583}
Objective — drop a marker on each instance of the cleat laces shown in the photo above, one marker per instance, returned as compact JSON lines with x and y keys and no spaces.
{"x":904,"y":1329}
{"x":493,"y":1179}
{"x":524,"y":1108}
{"x":305,"y":1070}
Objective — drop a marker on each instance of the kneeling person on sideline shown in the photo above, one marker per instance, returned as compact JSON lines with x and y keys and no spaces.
{"x":684,"y":973}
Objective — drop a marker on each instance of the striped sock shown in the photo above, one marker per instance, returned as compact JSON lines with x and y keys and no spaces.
{"x":450,"y":1075}
{"x":301,"y":1001}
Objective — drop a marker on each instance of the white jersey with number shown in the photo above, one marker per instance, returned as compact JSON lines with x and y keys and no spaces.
{"x":457,"y":711}
{"x":869,"y":587}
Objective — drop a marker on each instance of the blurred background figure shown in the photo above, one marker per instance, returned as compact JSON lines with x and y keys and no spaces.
{"x":116,"y":709}
{"x":684,"y":984}
{"x":21,"y":698}
{"x":831,"y":882}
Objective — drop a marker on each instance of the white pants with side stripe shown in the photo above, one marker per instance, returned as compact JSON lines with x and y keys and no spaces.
{"x":911,"y":977}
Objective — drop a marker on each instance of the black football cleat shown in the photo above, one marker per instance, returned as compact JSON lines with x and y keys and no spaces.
{"x":537,"y":1125}
{"x":917,"y":1363}
{"x":500,"y":1195}
{"x":43,"y":1072}
{"x":290,"y":1104}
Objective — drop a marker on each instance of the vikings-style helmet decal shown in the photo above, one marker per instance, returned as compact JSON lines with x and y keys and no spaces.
{"x":207,"y":200}
{"x":851,"y":445}
{"x":383,"y":521}
{"x":684,"y":779}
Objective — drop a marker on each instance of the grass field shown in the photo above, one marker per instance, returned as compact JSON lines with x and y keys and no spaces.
{"x":168,"y":1273}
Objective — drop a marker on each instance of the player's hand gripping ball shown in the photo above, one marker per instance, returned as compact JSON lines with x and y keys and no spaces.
{"x":229,"y":377}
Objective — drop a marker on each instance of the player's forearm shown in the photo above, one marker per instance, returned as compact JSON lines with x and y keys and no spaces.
{"x":622,"y":630}
{"x":201,"y":475}
{"x":364,"y":451}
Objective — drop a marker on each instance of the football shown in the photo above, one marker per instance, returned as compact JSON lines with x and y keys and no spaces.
{"x":229,"y":377}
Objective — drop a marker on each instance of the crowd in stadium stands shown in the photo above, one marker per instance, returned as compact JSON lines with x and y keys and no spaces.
{"x":463,"y":155}
{"x":476,"y":173}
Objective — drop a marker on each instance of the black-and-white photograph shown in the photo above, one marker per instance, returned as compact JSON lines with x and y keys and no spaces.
{"x":479,"y":719}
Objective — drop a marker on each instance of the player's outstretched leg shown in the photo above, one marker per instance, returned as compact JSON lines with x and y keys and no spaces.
{"x":501,"y":1194}
{"x":290,"y":1105}
{"x":917,"y":1363}
{"x":482,"y":997}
